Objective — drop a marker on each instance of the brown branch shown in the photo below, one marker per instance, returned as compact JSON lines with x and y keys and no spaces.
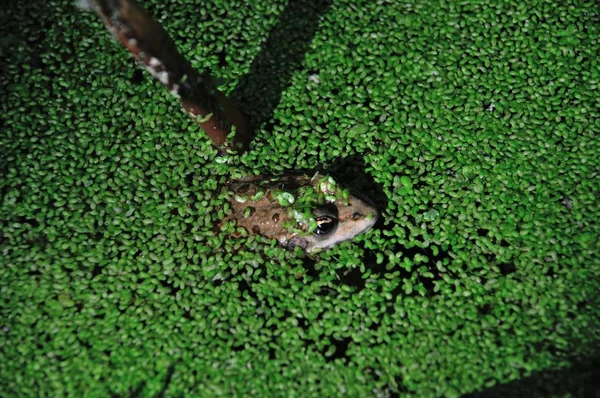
{"x":153,"y":48}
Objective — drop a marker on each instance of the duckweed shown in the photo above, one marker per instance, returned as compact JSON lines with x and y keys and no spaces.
{"x":478,"y":121}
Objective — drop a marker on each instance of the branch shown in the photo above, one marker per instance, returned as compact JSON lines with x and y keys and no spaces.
{"x":154,"y":49}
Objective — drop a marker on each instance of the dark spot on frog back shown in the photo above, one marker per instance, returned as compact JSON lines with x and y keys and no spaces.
{"x":256,"y":229}
{"x":243,"y":188}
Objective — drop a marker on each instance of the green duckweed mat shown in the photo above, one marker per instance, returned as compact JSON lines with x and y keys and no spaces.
{"x":476,"y":121}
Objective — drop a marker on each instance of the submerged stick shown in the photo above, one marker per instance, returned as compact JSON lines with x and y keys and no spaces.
{"x":153,"y":48}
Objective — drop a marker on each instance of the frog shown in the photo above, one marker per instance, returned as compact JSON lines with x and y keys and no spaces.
{"x":301,"y":211}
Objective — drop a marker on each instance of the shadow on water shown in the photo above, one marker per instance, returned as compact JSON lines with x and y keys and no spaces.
{"x":581,"y":379}
{"x":259,"y":92}
{"x":139,"y":391}
{"x":350,"y":172}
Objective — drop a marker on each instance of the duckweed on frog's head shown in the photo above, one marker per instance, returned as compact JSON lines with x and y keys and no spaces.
{"x":300,"y":211}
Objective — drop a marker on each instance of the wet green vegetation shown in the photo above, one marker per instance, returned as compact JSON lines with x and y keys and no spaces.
{"x":476,"y":124}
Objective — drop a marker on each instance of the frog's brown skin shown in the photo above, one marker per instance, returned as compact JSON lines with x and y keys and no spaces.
{"x":340,"y":219}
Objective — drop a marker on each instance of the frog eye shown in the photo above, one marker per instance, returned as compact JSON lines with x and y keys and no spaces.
{"x":325,"y":225}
